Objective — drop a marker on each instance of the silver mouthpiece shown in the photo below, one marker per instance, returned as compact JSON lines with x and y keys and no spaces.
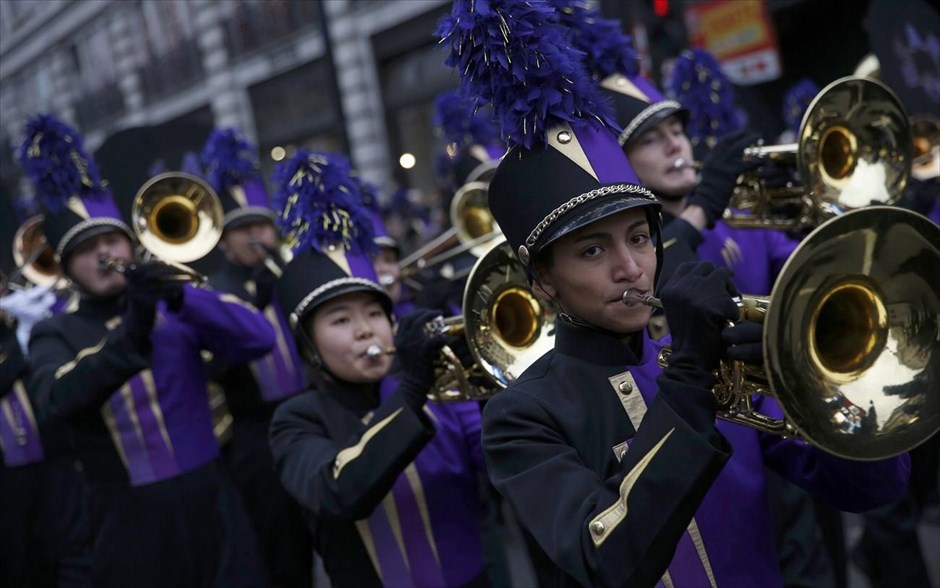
{"x":386,"y":280}
{"x":374,"y":351}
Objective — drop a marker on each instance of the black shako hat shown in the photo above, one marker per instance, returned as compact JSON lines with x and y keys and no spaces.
{"x":565,"y":168}
{"x":323,"y":217}
{"x":76,"y":203}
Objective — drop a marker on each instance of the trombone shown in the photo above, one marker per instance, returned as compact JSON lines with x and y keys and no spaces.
{"x":851,"y":338}
{"x":472,"y":229}
{"x":177,"y":218}
{"x":507,"y":328}
{"x":855,"y":149}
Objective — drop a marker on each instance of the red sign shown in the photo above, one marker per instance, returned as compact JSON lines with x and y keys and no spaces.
{"x":741,"y":36}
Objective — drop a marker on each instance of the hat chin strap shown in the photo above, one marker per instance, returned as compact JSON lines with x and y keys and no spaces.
{"x":577,"y":321}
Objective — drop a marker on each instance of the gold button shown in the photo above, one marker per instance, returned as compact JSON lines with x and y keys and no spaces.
{"x":625,"y":387}
{"x":597,"y":528}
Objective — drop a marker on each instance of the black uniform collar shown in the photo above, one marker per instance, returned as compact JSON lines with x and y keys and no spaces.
{"x":100,"y":308}
{"x":358,"y":398}
{"x":598,"y":347}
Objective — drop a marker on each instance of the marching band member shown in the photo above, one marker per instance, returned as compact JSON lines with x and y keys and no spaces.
{"x":253,"y":389}
{"x":616,"y":466}
{"x":124,"y":373}
{"x":44,"y":537}
{"x":388,"y":482}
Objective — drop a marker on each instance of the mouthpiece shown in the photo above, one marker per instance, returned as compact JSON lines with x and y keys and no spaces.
{"x":375,"y":351}
{"x":386,"y":280}
{"x":631,"y":297}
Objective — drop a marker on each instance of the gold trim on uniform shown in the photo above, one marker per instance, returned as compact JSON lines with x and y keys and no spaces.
{"x":69,"y":366}
{"x":391,"y":510}
{"x":696,"y":537}
{"x":630,"y":398}
{"x":345,"y":456}
{"x":150,"y":386}
{"x":414,"y":480}
{"x":603,"y":524}
{"x":365,"y":534}
{"x":111,"y":423}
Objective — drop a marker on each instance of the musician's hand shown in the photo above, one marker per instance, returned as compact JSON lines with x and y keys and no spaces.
{"x":28,"y":306}
{"x":416,"y":354}
{"x":744,"y":342}
{"x":720,"y":171}
{"x":265,"y":282}
{"x":150,"y":282}
{"x":698,"y":304}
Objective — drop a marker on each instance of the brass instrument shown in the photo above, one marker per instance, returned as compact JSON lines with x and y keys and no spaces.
{"x":854,"y":150}
{"x":283,"y":254}
{"x":177,"y":217}
{"x":33,"y":255}
{"x":506,"y":326}
{"x":183,"y":273}
{"x":851,"y":338}
{"x":472,"y":229}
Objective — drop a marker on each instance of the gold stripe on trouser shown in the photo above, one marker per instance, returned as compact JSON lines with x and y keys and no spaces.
{"x":414,"y":480}
{"x":667,"y":580}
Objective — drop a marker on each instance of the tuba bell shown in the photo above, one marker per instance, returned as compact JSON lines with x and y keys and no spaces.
{"x":177,"y":217}
{"x":507,"y":328}
{"x":855,"y":149}
{"x":851,"y":338}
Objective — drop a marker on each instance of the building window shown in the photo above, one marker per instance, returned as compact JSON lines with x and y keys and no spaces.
{"x":254,"y":24}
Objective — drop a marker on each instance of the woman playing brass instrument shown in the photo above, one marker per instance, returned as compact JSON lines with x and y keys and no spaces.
{"x":364,"y":454}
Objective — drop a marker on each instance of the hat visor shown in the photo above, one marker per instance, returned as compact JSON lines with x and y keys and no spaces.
{"x":100,"y":228}
{"x":246,"y":216}
{"x":347,"y":288}
{"x":591,"y":212}
{"x":654,"y":120}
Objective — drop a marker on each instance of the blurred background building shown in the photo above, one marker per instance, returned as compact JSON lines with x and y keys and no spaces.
{"x":353,"y":75}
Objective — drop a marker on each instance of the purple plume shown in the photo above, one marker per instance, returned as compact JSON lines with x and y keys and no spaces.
{"x":53,"y":156}
{"x":700,"y":86}
{"x":608,"y":50}
{"x":513,"y":55}
{"x":229,"y":159}
{"x":459,"y":122}
{"x":320,"y":203}
{"x":795,"y":102}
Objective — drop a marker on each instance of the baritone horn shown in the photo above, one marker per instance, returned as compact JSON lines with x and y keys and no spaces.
{"x":851,"y":338}
{"x":177,"y":217}
{"x":507,"y":328}
{"x":854,"y":150}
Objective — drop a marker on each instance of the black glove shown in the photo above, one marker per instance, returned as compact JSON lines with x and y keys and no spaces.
{"x":744,"y":342}
{"x":416,"y":354}
{"x":720,"y":171}
{"x":698,"y":304}
{"x":265,"y":281}
{"x":146,"y":285}
{"x":150,"y":282}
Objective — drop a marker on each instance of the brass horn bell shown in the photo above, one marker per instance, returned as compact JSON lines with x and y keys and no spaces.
{"x":851,"y":339}
{"x":34,"y":258}
{"x":855,"y":149}
{"x":507,"y":328}
{"x":177,"y":217}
